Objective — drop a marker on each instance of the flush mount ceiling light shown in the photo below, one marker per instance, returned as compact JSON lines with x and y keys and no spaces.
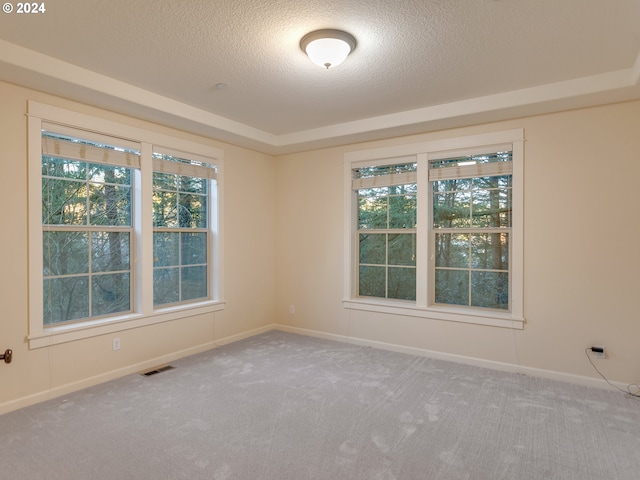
{"x":328,"y":48}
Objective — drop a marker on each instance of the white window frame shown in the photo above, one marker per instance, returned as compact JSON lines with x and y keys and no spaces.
{"x":512,"y":140}
{"x":143,"y":312}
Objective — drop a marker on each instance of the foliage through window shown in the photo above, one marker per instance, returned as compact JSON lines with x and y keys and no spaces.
{"x":470,"y":231}
{"x":181,"y":235}
{"x":87,"y":229}
{"x":387,"y":234}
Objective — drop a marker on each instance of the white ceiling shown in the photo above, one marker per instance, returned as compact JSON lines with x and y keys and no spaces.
{"x":419,"y":65}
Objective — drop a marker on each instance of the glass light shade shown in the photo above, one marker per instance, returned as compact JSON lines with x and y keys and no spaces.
{"x":328,"y":52}
{"x":327,"y":48}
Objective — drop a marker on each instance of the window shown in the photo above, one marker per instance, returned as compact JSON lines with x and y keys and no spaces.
{"x":386,"y":231}
{"x":86,"y":227}
{"x":181,"y":229}
{"x":470,"y":229}
{"x":435,"y":229}
{"x":123,"y":233}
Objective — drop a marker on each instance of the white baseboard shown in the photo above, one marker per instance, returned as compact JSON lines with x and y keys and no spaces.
{"x":450,"y":357}
{"x":121,"y":372}
{"x":164,"y":359}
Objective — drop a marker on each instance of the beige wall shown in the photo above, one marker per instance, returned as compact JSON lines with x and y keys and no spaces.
{"x":284,"y":246}
{"x":249,"y":269}
{"x":582,"y":260}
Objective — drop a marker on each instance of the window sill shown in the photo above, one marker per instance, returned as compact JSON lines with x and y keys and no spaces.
{"x":57,"y":334}
{"x":491,"y":318}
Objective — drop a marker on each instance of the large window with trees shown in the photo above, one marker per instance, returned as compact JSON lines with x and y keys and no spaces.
{"x":86,"y":226}
{"x":180,"y":228}
{"x":435,"y":229}
{"x":124,"y":232}
{"x":470,"y":229}
{"x":386,"y":231}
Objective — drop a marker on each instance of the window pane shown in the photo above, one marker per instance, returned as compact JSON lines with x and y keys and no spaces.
{"x":402,"y":283}
{"x":194,"y":282}
{"x":110,"y":204}
{"x":165,"y":181}
{"x":366,"y":172}
{"x":165,"y":209}
{"x":166,"y":285}
{"x":458,"y":184}
{"x":109,"y":251}
{"x":165,"y":249}
{"x":491,"y":202}
{"x":372,"y":208}
{"x":452,"y":287}
{"x":490,"y":289}
{"x":452,"y":209}
{"x":66,"y":299}
{"x":490,"y":251}
{"x":372,"y":282}
{"x":109,"y":174}
{"x":452,"y":250}
{"x":402,"y":249}
{"x":193,"y":184}
{"x":471,"y":159}
{"x":59,"y":167}
{"x":192,"y":211}
{"x":194,"y":248}
{"x":64,"y":202}
{"x":402,"y":211}
{"x":373,"y":248}
{"x":110,"y":293}
{"x":65,"y":253}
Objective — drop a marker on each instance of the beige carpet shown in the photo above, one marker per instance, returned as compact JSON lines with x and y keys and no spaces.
{"x":280,"y":406}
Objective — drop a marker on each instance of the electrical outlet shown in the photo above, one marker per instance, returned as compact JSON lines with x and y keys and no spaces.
{"x":292,"y":309}
{"x":599,"y":351}
{"x":116,"y":344}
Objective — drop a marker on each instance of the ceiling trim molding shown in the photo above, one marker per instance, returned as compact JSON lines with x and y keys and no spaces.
{"x":62,"y":77}
{"x":516,"y":98}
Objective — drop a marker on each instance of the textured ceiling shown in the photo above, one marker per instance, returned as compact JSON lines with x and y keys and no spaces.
{"x":419,"y":64}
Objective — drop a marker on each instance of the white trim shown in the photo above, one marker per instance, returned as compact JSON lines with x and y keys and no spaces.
{"x":453,"y":314}
{"x":144,"y":229}
{"x":350,"y":233}
{"x":95,"y":327}
{"x":80,"y":121}
{"x":34,"y":209}
{"x":451,"y":357}
{"x":454,"y":145}
{"x":96,"y":137}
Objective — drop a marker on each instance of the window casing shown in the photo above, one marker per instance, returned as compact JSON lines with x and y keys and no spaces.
{"x":451,"y":247}
{"x":93,"y":222}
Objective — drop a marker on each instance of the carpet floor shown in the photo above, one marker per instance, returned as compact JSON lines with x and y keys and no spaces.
{"x":280,"y":406}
